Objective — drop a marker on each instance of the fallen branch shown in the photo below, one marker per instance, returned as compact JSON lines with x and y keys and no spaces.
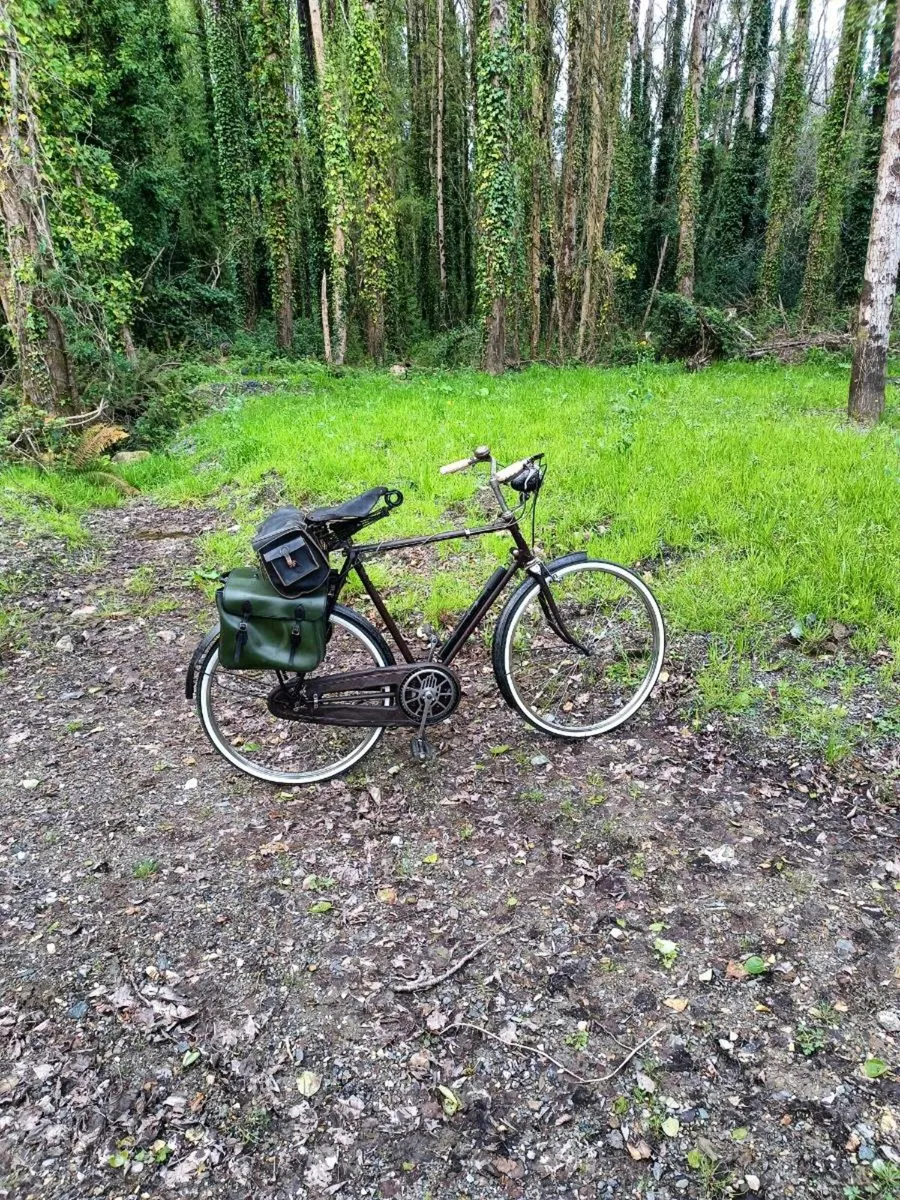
{"x":523,"y":1046}
{"x":430,"y":981}
{"x":787,"y":348}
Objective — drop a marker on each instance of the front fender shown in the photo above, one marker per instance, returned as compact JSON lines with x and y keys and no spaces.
{"x":196,"y":658}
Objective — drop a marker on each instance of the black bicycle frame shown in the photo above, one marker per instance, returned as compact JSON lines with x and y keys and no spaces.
{"x":522,"y":557}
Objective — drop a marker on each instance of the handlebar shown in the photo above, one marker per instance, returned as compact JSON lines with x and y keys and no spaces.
{"x":483,"y":454}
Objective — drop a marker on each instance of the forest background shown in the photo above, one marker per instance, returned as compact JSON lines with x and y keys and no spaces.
{"x":433,"y":182}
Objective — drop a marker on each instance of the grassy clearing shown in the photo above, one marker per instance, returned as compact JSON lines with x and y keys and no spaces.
{"x":740,"y":489}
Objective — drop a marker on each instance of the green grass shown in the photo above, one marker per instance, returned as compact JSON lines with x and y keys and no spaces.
{"x":740,"y":489}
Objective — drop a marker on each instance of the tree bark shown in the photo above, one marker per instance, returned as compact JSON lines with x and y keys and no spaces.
{"x":439,"y":164}
{"x":565,"y":256}
{"x":866,"y":402}
{"x":336,"y":338}
{"x":494,"y":216}
{"x":821,"y":254}
{"x":36,"y":332}
{"x":787,"y":120}
{"x":538,"y":33}
{"x":604,"y":75}
{"x":689,"y":176}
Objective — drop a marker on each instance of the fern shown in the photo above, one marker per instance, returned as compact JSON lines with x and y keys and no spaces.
{"x":94,"y":443}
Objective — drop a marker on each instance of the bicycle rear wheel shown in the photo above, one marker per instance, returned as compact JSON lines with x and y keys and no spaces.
{"x":578,"y":691}
{"x":234,"y":713}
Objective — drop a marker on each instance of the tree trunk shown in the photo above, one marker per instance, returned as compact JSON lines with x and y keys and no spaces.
{"x":689,"y":174}
{"x":565,"y":255}
{"x":821,"y":255}
{"x":439,"y":165}
{"x":35,"y":331}
{"x":876,"y":303}
{"x":495,"y":186}
{"x":787,"y":120}
{"x":604,"y":75}
{"x":336,"y":336}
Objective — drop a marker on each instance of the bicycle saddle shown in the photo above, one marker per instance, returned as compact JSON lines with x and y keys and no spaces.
{"x":357,"y":508}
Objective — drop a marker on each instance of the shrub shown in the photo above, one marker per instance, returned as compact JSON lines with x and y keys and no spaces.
{"x":683,"y":329}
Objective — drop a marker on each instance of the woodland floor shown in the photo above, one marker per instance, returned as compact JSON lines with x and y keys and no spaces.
{"x":176,"y":1020}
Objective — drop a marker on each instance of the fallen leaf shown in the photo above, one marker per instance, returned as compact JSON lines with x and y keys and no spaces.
{"x":639,"y":1150}
{"x":739,"y":1134}
{"x":676,"y":1003}
{"x":308,"y":1083}
{"x":321,"y":906}
{"x":735,"y":970}
{"x":419,"y":1064}
{"x":754,"y":965}
{"x":450,"y":1102}
{"x":874,"y":1068}
{"x":508,"y":1166}
{"x":387,"y":895}
{"x":670,"y":1126}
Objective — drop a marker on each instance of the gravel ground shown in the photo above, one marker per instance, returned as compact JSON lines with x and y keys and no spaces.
{"x":680,"y":951}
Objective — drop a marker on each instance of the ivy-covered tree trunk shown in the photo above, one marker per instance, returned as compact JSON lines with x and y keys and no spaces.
{"x":858,"y":215}
{"x":371,"y":146}
{"x":566,"y":248}
{"x":834,"y":146}
{"x":664,"y":179}
{"x":495,"y":190}
{"x":270,"y":43}
{"x":689,"y":166}
{"x":336,"y":167}
{"x":231,"y":119}
{"x":876,"y":303}
{"x":540,"y":55}
{"x":439,"y":164}
{"x":605,"y":77}
{"x":27,"y":254}
{"x":787,"y":121}
{"x":731,"y":257}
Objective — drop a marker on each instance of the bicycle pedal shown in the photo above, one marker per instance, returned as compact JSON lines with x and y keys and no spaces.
{"x":422,"y":750}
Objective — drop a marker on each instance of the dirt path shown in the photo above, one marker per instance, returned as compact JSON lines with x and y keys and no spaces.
{"x":197,"y":969}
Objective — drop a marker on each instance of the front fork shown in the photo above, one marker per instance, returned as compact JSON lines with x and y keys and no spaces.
{"x":550,"y":609}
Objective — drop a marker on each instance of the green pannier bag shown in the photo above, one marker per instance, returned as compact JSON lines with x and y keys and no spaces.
{"x":262,"y":630}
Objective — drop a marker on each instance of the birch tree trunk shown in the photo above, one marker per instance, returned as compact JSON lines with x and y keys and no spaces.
{"x":876,"y":302}
{"x":689,"y":173}
{"x":35,"y":330}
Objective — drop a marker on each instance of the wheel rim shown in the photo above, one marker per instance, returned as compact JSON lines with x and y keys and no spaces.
{"x":564,"y":691}
{"x":235,"y":715}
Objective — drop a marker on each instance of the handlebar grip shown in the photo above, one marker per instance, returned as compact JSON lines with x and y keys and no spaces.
{"x":512,"y":470}
{"x":460,"y":465}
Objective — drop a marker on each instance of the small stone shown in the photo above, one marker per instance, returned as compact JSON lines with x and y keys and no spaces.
{"x":889,"y":1020}
{"x":130,"y":456}
{"x":190,"y":785}
{"x":614,"y":1140}
{"x":167,"y":635}
{"x":64,"y":644}
{"x":86,"y":610}
{"x":866,"y":1154}
{"x":845,"y":947}
{"x":752,"y":1182}
{"x":540,"y":760}
{"x":78,"y":1010}
{"x":30,"y":784}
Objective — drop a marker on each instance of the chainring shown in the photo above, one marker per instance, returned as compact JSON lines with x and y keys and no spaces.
{"x":429,"y":693}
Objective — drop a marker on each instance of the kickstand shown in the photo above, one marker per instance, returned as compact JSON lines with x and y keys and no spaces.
{"x":420,"y":747}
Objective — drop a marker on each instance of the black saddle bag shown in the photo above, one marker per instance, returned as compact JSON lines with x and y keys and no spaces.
{"x":259,"y":629}
{"x":290,"y":557}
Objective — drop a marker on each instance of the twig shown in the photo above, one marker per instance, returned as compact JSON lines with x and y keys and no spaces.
{"x":514,"y":1045}
{"x":430,"y":981}
{"x":629,"y":1056}
{"x":653,"y":290}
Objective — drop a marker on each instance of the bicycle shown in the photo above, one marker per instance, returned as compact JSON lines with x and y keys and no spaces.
{"x":576,"y":650}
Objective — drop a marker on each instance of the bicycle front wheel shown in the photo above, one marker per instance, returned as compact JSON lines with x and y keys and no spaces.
{"x":597,"y":680}
{"x":234,"y":712}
